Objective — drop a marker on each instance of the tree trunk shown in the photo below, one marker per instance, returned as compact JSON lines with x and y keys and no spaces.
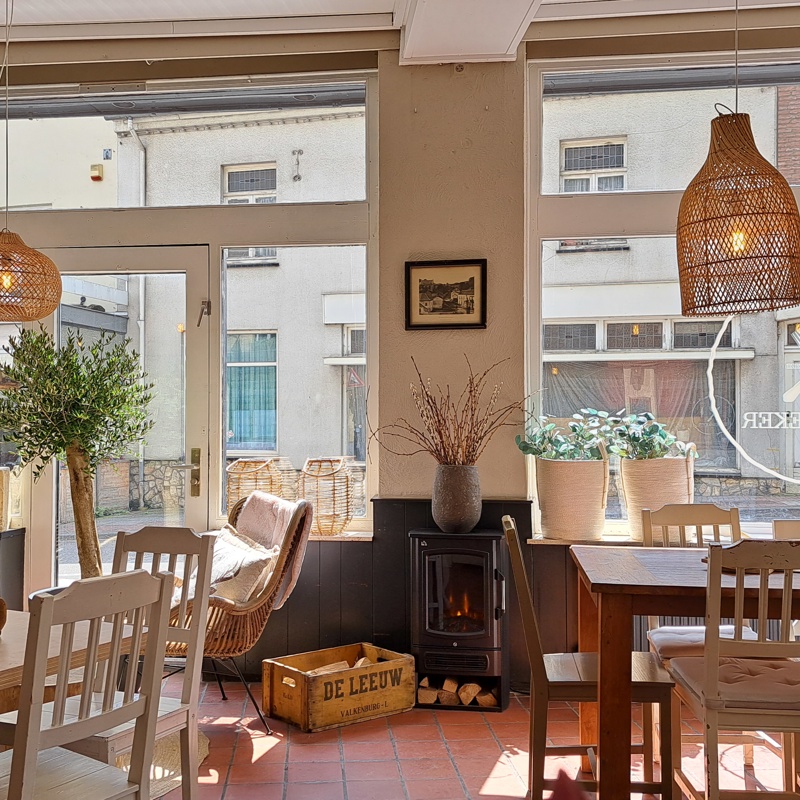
{"x":81,"y":487}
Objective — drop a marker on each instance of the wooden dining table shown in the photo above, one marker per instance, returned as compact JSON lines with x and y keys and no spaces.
{"x":615,"y":584}
{"x":13,"y":639}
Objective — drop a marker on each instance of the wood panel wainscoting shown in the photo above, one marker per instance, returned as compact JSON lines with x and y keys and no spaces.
{"x":359,"y":591}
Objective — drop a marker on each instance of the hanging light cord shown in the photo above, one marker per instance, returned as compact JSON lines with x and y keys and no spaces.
{"x":735,"y":55}
{"x":4,"y":69}
{"x":712,"y":399}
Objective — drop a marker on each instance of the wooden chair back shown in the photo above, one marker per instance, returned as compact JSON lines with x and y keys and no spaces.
{"x":126,"y":601}
{"x":530,"y":625}
{"x":188,"y":557}
{"x":786,"y":529}
{"x":689,"y":525}
{"x":763,"y":575}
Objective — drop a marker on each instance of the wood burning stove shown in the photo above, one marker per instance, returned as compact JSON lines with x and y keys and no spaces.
{"x":458,"y":611}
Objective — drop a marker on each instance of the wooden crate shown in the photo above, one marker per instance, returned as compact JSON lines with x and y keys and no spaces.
{"x":319,"y":702}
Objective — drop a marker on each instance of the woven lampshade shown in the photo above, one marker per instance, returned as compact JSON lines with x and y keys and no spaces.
{"x":30,"y":286}
{"x":738,"y":229}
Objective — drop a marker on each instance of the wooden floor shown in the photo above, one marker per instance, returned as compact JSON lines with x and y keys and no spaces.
{"x":413,"y":756}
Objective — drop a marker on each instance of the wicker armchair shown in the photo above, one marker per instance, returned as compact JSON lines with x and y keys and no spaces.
{"x":233,"y":629}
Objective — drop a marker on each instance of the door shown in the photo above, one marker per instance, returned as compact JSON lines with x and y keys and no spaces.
{"x":156,"y":299}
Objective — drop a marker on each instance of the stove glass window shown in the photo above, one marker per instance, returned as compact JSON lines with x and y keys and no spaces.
{"x":456,"y":594}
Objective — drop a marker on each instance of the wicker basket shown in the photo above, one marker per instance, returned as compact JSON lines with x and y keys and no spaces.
{"x":653,"y":483}
{"x":328,"y":484}
{"x":247,"y":475}
{"x":572,"y":498}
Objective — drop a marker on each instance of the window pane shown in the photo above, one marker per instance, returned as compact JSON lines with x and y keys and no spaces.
{"x":301,"y":324}
{"x":699,"y":334}
{"x":634,"y":336}
{"x":577,"y":185}
{"x":664,"y":116}
{"x":610,"y":183}
{"x":183,"y":148}
{"x":570,"y":337}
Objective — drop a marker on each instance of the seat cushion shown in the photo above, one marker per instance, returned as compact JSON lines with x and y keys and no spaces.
{"x":744,"y":682}
{"x":674,"y":641}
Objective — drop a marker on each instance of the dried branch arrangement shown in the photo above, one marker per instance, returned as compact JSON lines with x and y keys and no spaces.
{"x":454,"y":430}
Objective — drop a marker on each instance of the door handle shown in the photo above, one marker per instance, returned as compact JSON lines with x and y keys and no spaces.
{"x":499,"y":612}
{"x":194,"y":477}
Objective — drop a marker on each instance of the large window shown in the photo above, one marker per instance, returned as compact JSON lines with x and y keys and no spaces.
{"x":251,"y":392}
{"x":612,"y":334}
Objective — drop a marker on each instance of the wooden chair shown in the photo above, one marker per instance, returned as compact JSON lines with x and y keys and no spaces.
{"x":572,"y":677}
{"x":689,"y":525}
{"x":231,"y":629}
{"x":741,"y":684}
{"x":39,"y":766}
{"x":180,"y":551}
{"x":784,"y":529}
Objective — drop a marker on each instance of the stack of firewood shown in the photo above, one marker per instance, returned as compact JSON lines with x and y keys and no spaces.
{"x":452,"y":692}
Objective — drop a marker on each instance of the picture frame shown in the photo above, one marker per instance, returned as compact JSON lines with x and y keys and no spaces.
{"x":446,"y":295}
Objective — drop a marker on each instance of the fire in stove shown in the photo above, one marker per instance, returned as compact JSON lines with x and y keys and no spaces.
{"x":460,"y":616}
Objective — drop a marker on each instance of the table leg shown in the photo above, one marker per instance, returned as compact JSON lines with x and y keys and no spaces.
{"x":614,"y":695}
{"x":587,"y":643}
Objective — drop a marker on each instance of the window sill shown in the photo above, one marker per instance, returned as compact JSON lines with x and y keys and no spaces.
{"x":347,"y":536}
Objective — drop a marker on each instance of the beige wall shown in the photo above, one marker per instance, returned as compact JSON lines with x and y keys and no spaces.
{"x":452,"y":173}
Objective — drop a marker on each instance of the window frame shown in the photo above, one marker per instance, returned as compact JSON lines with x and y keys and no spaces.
{"x":251,"y":198}
{"x":592,"y":175}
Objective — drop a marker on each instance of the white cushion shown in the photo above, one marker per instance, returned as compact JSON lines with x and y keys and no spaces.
{"x":744,"y":682}
{"x":673,"y":641}
{"x":239,"y":567}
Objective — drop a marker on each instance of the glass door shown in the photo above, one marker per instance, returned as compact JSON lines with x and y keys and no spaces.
{"x":156,"y":300}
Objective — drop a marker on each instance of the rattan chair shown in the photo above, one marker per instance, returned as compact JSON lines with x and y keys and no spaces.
{"x":233,"y":629}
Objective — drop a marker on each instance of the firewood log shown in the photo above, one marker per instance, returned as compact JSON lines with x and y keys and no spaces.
{"x":335,"y":667}
{"x":426,"y":695}
{"x":450,"y":685}
{"x":467,"y":692}
{"x":448,"y":698}
{"x":487,"y":699}
{"x":363,"y":662}
{"x":425,"y":682}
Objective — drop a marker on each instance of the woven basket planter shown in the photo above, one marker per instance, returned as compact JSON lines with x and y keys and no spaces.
{"x":572,"y":498}
{"x":653,"y":483}
{"x":247,"y":475}
{"x":327,"y":483}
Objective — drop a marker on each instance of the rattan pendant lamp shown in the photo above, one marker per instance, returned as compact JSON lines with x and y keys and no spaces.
{"x":30,"y":285}
{"x":738,"y":234}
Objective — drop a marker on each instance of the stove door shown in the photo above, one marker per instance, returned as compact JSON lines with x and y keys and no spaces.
{"x":456,"y":595}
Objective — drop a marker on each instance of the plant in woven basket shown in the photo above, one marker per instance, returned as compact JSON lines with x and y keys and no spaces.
{"x":80,"y":403}
{"x":453,"y":428}
{"x":581,"y":439}
{"x":642,"y":436}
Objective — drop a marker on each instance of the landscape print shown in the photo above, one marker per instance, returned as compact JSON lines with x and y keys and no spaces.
{"x":446,"y":294}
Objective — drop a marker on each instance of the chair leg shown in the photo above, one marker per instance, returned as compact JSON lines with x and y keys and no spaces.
{"x":538,"y":748}
{"x":190,"y":760}
{"x":250,"y":695}
{"x":672,"y":746}
{"x":648,"y":740}
{"x":787,"y":758}
{"x":711,"y":742}
{"x":219,"y":680}
{"x":665,"y":721}
{"x":748,"y":755}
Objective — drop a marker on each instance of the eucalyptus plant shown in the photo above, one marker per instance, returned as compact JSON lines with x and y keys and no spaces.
{"x":582,"y":439}
{"x":80,"y":403}
{"x":642,"y":436}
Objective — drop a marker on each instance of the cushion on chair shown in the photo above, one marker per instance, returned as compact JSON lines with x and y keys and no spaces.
{"x":744,"y":682}
{"x":239,"y":567}
{"x":674,"y":641}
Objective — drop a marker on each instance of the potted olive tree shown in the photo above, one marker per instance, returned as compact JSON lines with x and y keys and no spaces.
{"x":571,"y":473}
{"x":80,"y":403}
{"x":655,"y":467}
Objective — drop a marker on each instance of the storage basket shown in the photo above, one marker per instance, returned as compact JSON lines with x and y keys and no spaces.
{"x":572,"y":498}
{"x":328,"y":484}
{"x":653,"y":483}
{"x":247,"y":475}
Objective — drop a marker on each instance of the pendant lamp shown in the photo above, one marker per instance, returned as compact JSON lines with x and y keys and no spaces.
{"x":30,"y":285}
{"x":738,"y":233}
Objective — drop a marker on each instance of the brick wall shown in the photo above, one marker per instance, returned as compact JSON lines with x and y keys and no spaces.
{"x":789,"y":133}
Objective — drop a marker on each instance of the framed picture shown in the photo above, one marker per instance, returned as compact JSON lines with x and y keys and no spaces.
{"x":446,"y":294}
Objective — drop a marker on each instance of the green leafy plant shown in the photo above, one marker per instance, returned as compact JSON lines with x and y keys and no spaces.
{"x":582,"y":439}
{"x":642,"y":436}
{"x":80,"y":403}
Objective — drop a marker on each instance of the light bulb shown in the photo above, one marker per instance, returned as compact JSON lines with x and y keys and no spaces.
{"x":738,"y":241}
{"x":635,"y":330}
{"x":6,"y":280}
{"x":181,"y":327}
{"x":554,"y":370}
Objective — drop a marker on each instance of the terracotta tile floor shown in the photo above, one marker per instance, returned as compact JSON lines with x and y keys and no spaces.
{"x":446,"y":755}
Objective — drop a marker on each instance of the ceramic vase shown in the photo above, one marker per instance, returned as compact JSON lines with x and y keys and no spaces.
{"x":456,"y":501}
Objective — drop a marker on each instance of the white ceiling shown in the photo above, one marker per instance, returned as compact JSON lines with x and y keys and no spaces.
{"x":432,"y":31}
